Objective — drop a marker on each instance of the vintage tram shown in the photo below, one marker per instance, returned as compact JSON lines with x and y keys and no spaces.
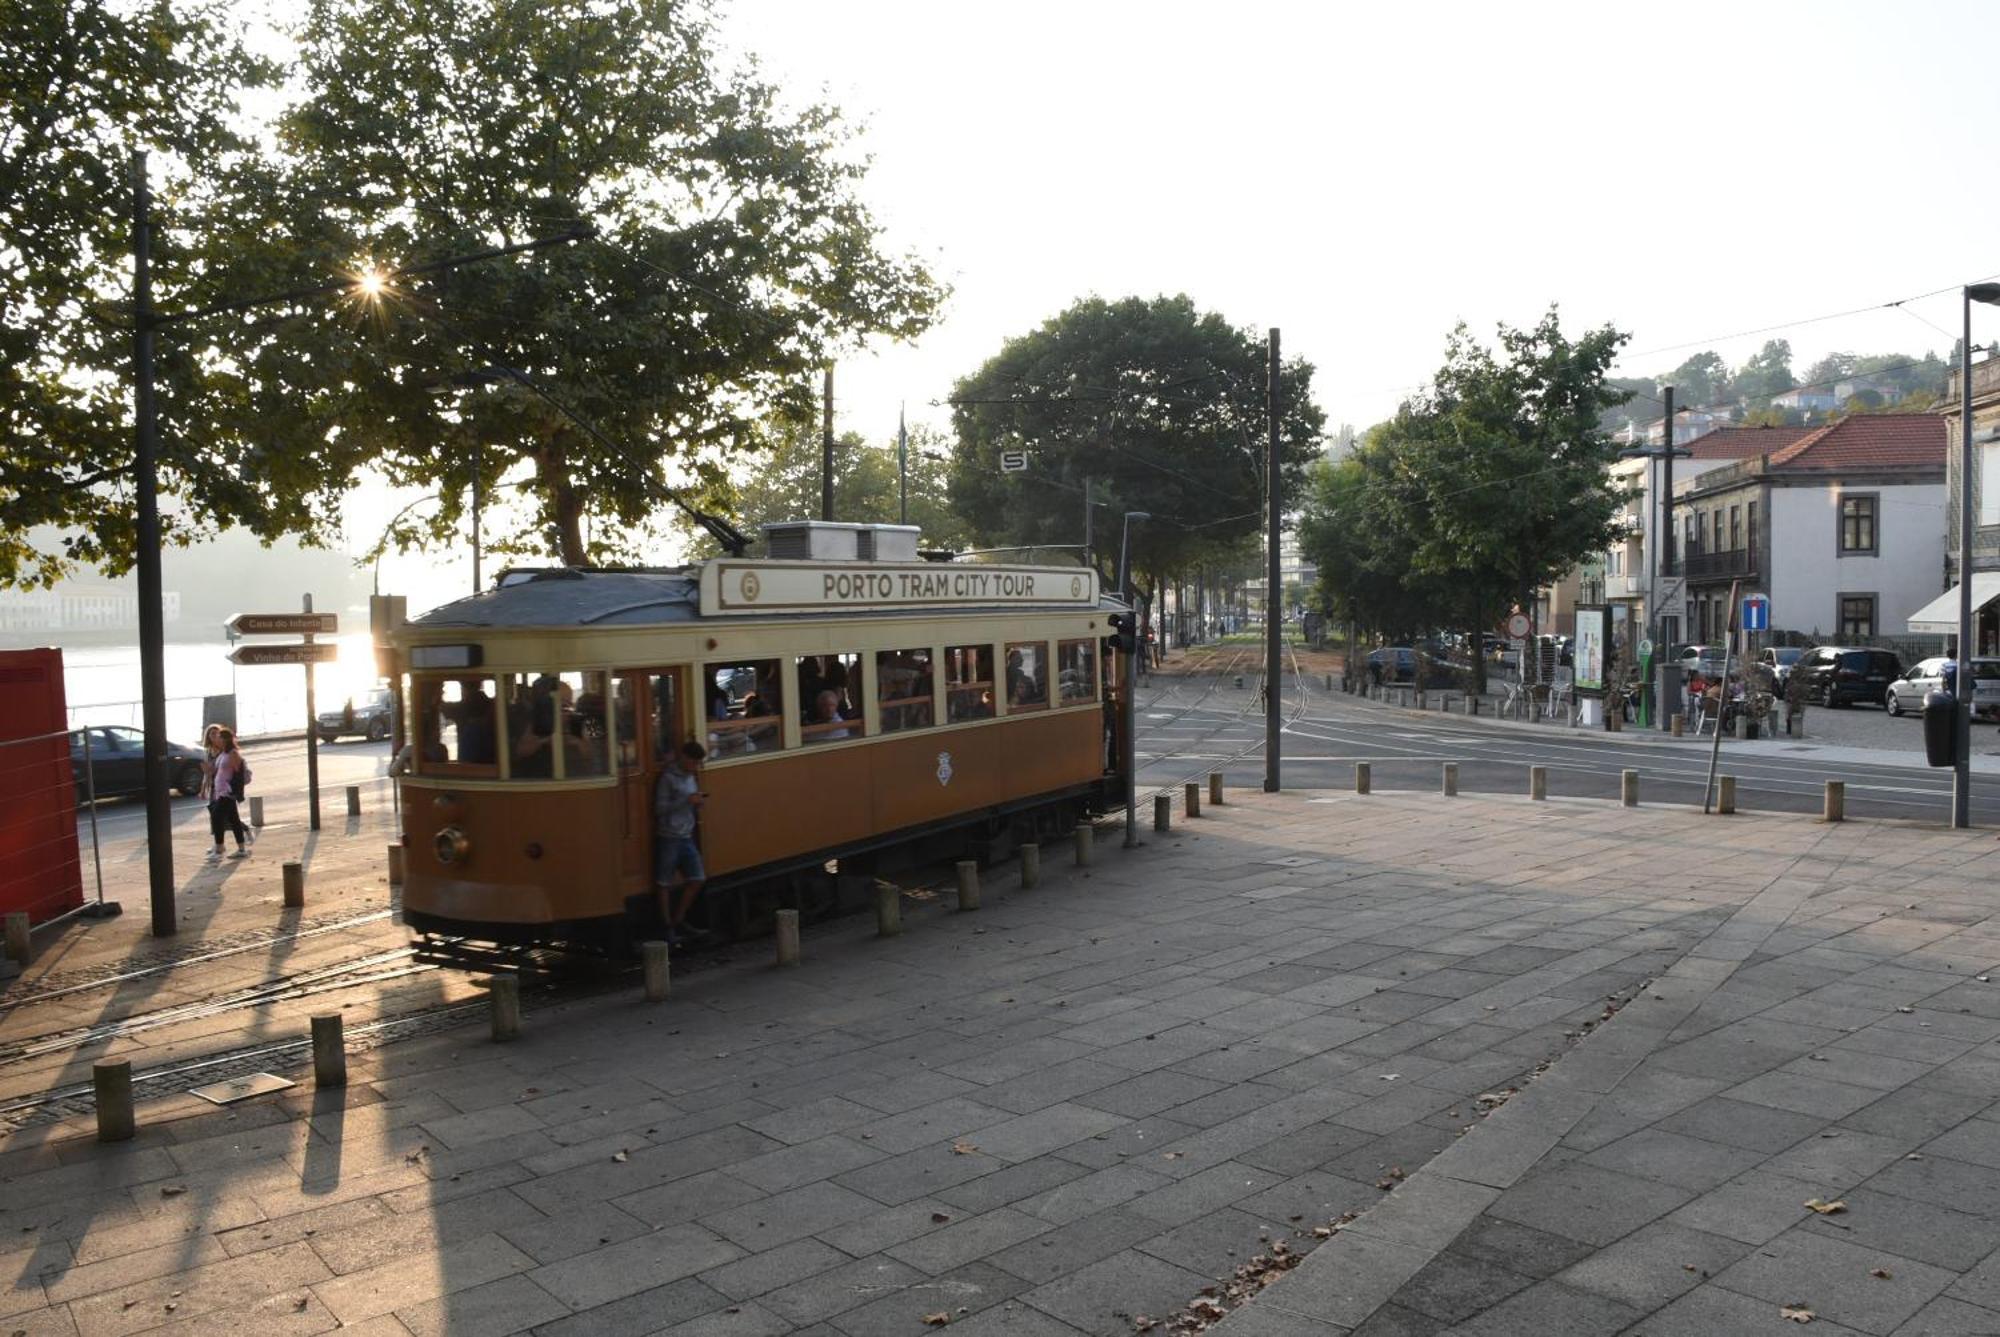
{"x":852,"y":698}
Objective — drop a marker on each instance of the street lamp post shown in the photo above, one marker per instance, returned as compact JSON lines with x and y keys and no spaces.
{"x":1663,"y":539}
{"x":1961,"y":767}
{"x":1131,"y":678}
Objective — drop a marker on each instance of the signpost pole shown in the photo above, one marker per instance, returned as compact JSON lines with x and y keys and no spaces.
{"x":312,"y":735}
{"x":1721,"y":702}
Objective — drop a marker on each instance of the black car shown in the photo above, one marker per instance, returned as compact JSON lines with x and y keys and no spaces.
{"x":1837,"y":675}
{"x":370,"y":717}
{"x":118,"y":763}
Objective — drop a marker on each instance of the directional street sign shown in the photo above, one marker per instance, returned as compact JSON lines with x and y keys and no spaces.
{"x":253,"y":655}
{"x":284,"y":624}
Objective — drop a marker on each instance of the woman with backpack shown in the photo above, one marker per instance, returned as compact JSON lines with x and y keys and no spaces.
{"x":232,"y":777}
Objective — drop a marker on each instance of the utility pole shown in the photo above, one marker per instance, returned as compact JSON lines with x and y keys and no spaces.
{"x":152,"y":622}
{"x":1273,"y":595}
{"x":1089,"y":551}
{"x":1961,"y":725}
{"x":478,"y":449}
{"x":826,"y":448}
{"x":1663,"y":553}
{"x":902,"y":467}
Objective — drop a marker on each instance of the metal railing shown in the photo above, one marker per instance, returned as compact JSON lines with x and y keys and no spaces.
{"x":50,"y":799}
{"x":1729,"y":562}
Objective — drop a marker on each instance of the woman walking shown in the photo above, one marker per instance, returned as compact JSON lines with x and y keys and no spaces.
{"x":231,"y":774}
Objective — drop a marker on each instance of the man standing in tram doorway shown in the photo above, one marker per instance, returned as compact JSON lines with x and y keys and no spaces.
{"x":677,"y":800}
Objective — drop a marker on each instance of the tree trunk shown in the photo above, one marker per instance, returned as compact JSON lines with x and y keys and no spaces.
{"x":563,"y":505}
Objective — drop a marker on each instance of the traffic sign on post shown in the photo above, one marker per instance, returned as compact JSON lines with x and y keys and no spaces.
{"x":251,"y":656}
{"x":1013,"y":461}
{"x":283,"y":624}
{"x":1756,"y":612}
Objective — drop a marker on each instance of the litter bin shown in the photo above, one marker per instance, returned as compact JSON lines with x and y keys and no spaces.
{"x":1941,"y":728}
{"x":1673,"y":695}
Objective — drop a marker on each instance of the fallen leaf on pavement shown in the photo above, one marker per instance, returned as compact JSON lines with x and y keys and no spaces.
{"x":1797,"y":1313}
{"x":173,"y":1190}
{"x":937,"y":1320}
{"x":1825,"y":1208}
{"x":963,"y":1149}
{"x":1391,"y":1076}
{"x":939,"y":1218}
{"x":620,"y":1157}
{"x":1882,"y":1273}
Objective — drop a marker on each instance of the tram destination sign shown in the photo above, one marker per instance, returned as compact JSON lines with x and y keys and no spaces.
{"x":284,"y":624}
{"x":739,"y":588}
{"x":252,"y":656}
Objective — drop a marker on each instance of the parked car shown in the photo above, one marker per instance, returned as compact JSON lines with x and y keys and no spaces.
{"x":1392,"y":663}
{"x":371,"y":717}
{"x":1780,"y":659}
{"x":118,"y":763}
{"x":1906,"y":694}
{"x":1839,"y":675}
{"x":1703,"y":659}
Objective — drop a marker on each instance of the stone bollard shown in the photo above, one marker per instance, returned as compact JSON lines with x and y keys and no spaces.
{"x":1628,"y":788}
{"x":1031,"y":865}
{"x":1215,"y":789}
{"x":329,"y":1051}
{"x":1680,"y":726}
{"x":1451,"y":779}
{"x":1239,"y":682}
{"x":1740,"y":729}
{"x":888,"y":910}
{"x":1362,"y":775}
{"x":354,"y":800}
{"x":256,"y":810}
{"x":112,"y":1083}
{"x":1725,"y":799}
{"x":504,"y":1000}
{"x":1472,"y":705}
{"x":655,"y":971}
{"x":1193,"y":801}
{"x":1614,"y":721}
{"x":1795,"y":724}
{"x":1163,"y":812}
{"x":1329,"y":682}
{"x":1835,"y":809}
{"x":295,"y":885}
{"x":19,"y":946}
{"x":968,"y":884}
{"x":395,"y":865}
{"x":1538,"y":782}
{"x":786,"y":929}
{"x":1083,"y":836}
{"x":1419,"y":696}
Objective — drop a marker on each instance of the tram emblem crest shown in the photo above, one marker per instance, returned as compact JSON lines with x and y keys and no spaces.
{"x":944,"y":768}
{"x":750,"y":586}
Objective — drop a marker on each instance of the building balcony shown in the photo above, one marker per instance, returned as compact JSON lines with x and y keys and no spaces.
{"x":1724,"y":565}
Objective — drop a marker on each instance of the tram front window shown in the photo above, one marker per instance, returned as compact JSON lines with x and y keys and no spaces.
{"x":829,"y":698}
{"x":1027,"y":676}
{"x":968,"y":683}
{"x":903,"y":689}
{"x":455,"y":723}
{"x":744,"y":707}
{"x":1076,"y":672}
{"x":553,"y":716}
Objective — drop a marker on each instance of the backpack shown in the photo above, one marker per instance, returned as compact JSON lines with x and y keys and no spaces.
{"x":240,"y":779}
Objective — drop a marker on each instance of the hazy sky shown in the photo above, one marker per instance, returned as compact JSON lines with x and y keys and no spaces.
{"x":1364,"y":176}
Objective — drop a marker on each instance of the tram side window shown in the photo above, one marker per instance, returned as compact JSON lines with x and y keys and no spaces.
{"x":549,"y":713}
{"x":903,"y":689}
{"x":586,"y":737}
{"x":830,"y":698}
{"x":744,"y":704}
{"x":1076,"y":671}
{"x":1027,"y":676}
{"x":455,"y":723}
{"x":625,"y":712}
{"x":968,"y":683}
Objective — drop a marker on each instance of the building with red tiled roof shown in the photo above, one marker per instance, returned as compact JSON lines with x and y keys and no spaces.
{"x":1842,"y":526}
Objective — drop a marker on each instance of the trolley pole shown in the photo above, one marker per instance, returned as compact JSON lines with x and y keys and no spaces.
{"x":1273,"y":594}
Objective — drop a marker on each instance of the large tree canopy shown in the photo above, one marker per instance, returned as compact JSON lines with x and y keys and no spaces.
{"x":83,"y":83}
{"x":1159,"y":405}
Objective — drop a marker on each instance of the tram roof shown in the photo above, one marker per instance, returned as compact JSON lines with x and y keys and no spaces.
{"x":575,"y":597}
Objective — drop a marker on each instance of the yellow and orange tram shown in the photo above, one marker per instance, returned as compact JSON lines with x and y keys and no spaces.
{"x":848,"y":707}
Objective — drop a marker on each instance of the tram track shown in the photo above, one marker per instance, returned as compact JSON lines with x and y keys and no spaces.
{"x":1295,"y":711}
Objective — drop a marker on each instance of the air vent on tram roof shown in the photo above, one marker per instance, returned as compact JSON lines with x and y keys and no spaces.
{"x":834,"y":541}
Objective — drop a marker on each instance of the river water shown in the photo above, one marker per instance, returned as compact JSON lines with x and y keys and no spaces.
{"x":102,"y":685}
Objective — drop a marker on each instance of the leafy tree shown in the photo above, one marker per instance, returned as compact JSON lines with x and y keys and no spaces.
{"x":1639,"y":393}
{"x":83,"y":83}
{"x":732,"y":259}
{"x":1765,"y":373}
{"x":1699,"y":381}
{"x":1160,"y":405}
{"x":785,"y":485}
{"x":1833,"y":367}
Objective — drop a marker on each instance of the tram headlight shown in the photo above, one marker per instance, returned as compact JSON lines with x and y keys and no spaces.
{"x":451,"y":845}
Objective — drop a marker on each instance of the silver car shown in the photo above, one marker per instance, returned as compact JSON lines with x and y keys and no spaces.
{"x":1906,"y":694}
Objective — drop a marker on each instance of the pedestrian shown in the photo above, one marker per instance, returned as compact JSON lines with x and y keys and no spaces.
{"x":677,"y":801}
{"x":230,"y":778}
{"x":208,"y":751}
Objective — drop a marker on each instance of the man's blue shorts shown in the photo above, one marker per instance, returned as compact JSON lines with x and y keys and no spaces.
{"x":676,"y":852}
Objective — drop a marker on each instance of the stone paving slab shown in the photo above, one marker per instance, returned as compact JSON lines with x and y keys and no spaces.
{"x":1087,"y":1102}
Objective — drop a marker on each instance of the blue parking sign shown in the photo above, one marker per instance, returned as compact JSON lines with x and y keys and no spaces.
{"x":1756,"y":612}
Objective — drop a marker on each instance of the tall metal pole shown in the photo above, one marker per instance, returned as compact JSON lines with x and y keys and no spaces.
{"x":1273,"y":595}
{"x":826,"y":448}
{"x":478,"y":448}
{"x":152,"y":623}
{"x":1131,"y":710}
{"x":902,"y":467}
{"x":1961,"y":768}
{"x":312,"y":732}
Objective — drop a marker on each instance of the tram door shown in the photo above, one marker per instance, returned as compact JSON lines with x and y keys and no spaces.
{"x":651,"y":724}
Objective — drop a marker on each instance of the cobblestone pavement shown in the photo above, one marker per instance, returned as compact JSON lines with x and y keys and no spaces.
{"x":1075,"y":1109}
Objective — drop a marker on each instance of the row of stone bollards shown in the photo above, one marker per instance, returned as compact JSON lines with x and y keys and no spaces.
{"x":1833,"y":804}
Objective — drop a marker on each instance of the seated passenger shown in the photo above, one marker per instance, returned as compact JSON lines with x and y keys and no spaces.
{"x":826,"y":711}
{"x":476,"y":741}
